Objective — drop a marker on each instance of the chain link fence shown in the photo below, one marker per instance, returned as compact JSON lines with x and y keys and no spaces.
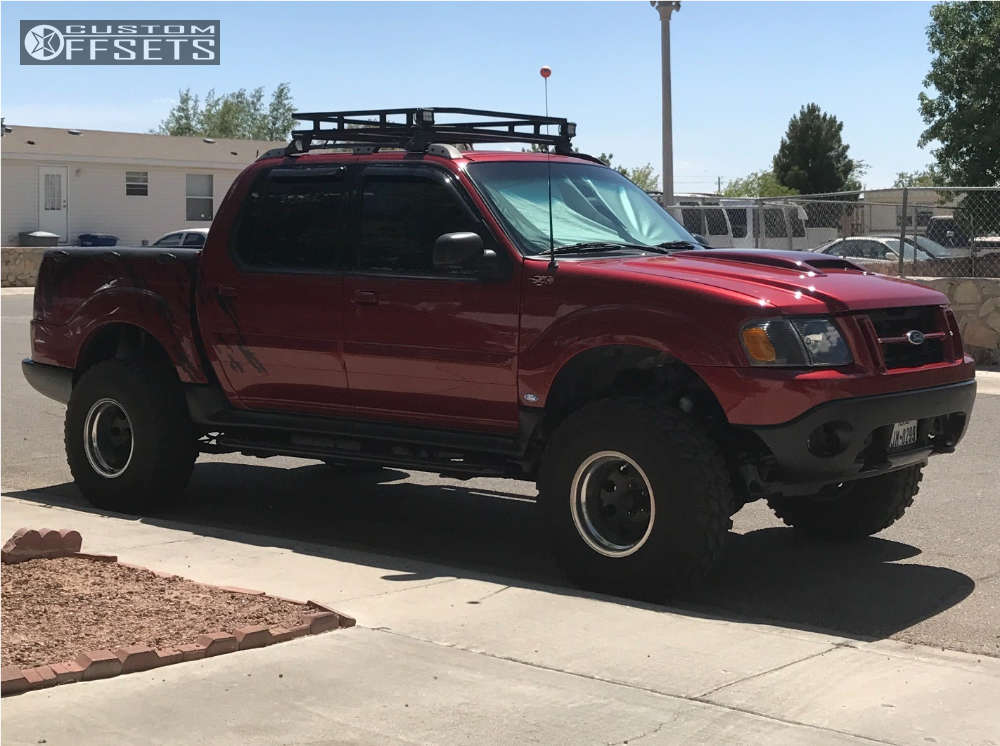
{"x":943,"y":231}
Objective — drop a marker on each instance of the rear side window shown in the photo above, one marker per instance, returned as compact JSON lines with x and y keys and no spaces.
{"x":401,"y":218}
{"x":738,"y":219}
{"x":293,"y":219}
{"x":194,"y":240}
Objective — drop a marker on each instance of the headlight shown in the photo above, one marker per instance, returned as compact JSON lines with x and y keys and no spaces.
{"x":795,"y":343}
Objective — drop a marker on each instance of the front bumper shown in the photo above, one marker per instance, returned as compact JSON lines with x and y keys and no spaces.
{"x":848,"y":439}
{"x":53,"y":381}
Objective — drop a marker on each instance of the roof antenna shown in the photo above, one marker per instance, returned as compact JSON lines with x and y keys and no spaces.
{"x":545,"y":72}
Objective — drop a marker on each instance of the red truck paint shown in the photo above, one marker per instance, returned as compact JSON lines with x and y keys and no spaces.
{"x":311,"y":343}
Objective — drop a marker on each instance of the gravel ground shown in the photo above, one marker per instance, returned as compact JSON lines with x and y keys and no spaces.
{"x":54,"y":609}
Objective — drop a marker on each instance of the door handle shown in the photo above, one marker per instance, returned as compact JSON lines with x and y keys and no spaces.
{"x":366,"y":297}
{"x":225,"y":291}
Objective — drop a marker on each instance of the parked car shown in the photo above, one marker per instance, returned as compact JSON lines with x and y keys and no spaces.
{"x":191,"y":238}
{"x":877,"y":248}
{"x":506,"y":314}
{"x":738,"y":223}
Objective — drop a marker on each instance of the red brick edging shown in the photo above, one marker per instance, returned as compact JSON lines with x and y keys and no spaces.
{"x":28,"y":544}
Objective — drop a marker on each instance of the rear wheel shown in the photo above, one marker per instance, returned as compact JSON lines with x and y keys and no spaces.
{"x":853,"y":510}
{"x":129,"y":443}
{"x":637,"y":498}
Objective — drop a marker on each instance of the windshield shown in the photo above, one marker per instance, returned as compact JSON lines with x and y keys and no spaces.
{"x":590,"y":204}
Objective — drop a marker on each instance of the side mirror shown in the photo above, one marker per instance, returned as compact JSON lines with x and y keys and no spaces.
{"x":461,"y":249}
{"x":701,"y":239}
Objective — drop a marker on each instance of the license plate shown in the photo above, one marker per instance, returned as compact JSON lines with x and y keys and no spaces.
{"x":903,"y":434}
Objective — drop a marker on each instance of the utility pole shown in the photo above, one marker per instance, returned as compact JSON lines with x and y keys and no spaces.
{"x":718,"y":185}
{"x":665,"y":9}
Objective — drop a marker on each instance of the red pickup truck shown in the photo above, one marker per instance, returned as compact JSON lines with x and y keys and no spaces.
{"x":376,"y":295}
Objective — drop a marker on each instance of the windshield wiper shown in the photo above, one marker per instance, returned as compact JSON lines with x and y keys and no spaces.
{"x":589,"y":246}
{"x":681,"y":246}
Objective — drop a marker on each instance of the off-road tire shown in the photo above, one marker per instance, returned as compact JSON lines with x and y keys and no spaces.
{"x":163,"y":448}
{"x":857,"y":510}
{"x":690,"y":485}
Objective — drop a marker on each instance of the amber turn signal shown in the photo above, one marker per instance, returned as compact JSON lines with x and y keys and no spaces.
{"x":758,"y":345}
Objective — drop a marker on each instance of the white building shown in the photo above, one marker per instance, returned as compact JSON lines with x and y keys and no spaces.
{"x":130,"y":185}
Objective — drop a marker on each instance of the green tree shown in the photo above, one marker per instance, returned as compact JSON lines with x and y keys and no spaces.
{"x":924,"y":178}
{"x":812,"y":157}
{"x":757,"y":184}
{"x":964,"y":116}
{"x":643,"y":177}
{"x":241,"y":114}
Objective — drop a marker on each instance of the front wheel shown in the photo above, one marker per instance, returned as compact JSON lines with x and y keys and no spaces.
{"x":637,"y":498}
{"x":129,"y":442}
{"x":852,"y":510}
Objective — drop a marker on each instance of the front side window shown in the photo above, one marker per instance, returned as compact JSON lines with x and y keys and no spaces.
{"x":590,"y":203}
{"x":401,"y":217}
{"x":137,"y":183}
{"x":293,"y":220}
{"x":169,"y":240}
{"x":199,"y":196}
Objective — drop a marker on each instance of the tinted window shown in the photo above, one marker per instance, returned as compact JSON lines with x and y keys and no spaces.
{"x":798,"y":227}
{"x":194,"y":240}
{"x":738,"y":220}
{"x":846,"y":248}
{"x":716,"y":222}
{"x":401,"y":217}
{"x":292,"y":219}
{"x":774,"y":224}
{"x":692,"y":220}
{"x":171,"y":239}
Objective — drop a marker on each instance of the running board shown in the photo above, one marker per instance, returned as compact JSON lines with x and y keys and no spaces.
{"x":311,"y":436}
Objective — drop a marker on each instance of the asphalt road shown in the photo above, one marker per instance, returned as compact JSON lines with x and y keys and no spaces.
{"x":933,"y":578}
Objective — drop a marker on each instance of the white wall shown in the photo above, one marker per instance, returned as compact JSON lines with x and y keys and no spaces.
{"x":97,"y":202}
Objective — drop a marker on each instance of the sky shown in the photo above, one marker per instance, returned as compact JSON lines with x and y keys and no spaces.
{"x":740,"y":70}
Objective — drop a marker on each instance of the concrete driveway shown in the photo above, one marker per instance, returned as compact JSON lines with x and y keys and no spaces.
{"x":468,"y":633}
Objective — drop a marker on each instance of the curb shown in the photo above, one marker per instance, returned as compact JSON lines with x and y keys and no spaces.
{"x":28,"y":544}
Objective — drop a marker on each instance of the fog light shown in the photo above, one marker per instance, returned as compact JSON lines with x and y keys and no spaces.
{"x":830,"y":439}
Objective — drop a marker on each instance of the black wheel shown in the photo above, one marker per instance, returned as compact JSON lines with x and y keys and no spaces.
{"x":637,"y":497}
{"x":129,"y":442}
{"x":853,"y":510}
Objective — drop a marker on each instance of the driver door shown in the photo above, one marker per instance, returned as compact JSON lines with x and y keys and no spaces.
{"x":422,"y":344}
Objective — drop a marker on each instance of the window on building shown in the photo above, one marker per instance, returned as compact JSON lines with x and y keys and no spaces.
{"x":293,"y":219}
{"x":137,"y":183}
{"x":401,"y":218}
{"x":199,"y":196}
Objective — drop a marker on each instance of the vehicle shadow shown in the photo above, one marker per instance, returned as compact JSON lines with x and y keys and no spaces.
{"x":425,"y":531}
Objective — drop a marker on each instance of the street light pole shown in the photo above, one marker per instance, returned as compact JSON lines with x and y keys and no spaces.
{"x":665,"y":9}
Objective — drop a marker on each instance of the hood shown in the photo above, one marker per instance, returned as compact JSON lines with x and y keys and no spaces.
{"x":796,"y":281}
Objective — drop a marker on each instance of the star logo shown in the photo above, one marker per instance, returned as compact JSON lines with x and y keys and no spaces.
{"x":44,"y":42}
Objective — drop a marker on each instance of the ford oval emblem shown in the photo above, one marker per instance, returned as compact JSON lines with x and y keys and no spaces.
{"x":915,"y":337}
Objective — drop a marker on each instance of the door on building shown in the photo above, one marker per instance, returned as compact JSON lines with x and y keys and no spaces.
{"x":53,"y":201}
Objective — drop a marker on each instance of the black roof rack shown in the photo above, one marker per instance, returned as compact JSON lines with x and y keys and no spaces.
{"x":415,"y":129}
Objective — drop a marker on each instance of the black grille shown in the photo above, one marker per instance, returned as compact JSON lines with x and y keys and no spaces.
{"x":896,"y":322}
